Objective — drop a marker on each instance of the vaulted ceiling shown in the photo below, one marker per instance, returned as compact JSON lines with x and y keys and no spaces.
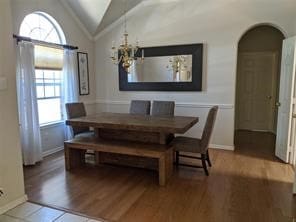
{"x":95,"y":15}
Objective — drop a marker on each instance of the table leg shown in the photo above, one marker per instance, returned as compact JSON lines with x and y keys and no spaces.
{"x":165,"y":167}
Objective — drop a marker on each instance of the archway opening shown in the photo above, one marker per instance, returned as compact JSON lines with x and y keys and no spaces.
{"x":257,"y":89}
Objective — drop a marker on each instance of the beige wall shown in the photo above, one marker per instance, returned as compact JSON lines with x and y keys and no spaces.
{"x":217,"y":24}
{"x":11,"y":174}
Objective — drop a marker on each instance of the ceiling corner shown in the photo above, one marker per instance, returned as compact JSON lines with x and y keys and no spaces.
{"x":77,"y":20}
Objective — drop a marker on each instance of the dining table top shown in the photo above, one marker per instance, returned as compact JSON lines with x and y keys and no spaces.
{"x":134,"y":122}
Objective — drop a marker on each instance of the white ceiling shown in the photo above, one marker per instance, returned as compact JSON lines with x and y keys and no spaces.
{"x":95,"y":15}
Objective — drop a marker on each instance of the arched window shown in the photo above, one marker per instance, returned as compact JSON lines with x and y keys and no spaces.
{"x":41,"y":26}
{"x":48,"y":64}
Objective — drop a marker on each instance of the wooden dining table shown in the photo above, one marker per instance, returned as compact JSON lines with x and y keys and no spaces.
{"x":148,"y":132}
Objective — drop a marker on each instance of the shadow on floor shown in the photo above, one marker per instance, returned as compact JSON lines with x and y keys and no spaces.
{"x":256,"y":144}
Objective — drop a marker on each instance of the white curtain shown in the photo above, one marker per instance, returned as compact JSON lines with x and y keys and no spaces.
{"x":69,"y":84}
{"x":27,"y":104}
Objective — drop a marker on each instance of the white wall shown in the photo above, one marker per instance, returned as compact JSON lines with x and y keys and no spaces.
{"x":11,"y":174}
{"x":217,"y":24}
{"x":52,"y":138}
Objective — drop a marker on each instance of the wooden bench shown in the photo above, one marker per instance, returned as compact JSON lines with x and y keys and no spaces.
{"x":75,"y":149}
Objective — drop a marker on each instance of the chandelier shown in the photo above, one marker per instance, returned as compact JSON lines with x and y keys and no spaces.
{"x":126,"y":53}
{"x":178,"y":63}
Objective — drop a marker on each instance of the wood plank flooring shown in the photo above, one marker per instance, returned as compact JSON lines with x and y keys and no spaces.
{"x":247,"y":185}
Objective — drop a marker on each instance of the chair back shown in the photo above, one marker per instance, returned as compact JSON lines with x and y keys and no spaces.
{"x":141,"y":107}
{"x":163,"y":108}
{"x":208,"y":129}
{"x":76,"y":110}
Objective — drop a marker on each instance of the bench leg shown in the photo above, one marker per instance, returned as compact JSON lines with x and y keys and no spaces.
{"x":67,"y":156}
{"x":73,"y":157}
{"x":97,"y":157}
{"x":165,"y":167}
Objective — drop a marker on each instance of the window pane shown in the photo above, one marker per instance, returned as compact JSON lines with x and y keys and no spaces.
{"x":45,"y":24}
{"x":40,"y":26}
{"x":40,"y":91}
{"x":39,"y":73}
{"x":52,"y":37}
{"x":57,"y":75}
{"x":49,"y":91}
{"x":49,"y":81}
{"x":57,"y":91}
{"x":39,"y":81}
{"x":36,"y":33}
{"x":48,"y":74}
{"x":49,"y":110}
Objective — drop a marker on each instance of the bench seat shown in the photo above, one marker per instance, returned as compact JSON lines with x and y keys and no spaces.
{"x":75,"y":148}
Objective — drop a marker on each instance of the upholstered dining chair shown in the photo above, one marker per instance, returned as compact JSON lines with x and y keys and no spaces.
{"x":163,"y":108}
{"x":141,"y":107}
{"x":76,"y":110}
{"x":193,"y":145}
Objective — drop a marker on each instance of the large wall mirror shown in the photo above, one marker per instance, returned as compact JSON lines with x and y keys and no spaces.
{"x":164,"y":68}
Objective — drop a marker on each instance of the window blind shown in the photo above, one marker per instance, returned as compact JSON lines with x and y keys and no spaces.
{"x":48,"y":58}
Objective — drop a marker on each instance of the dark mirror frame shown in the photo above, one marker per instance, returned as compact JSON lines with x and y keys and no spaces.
{"x":196,"y":50}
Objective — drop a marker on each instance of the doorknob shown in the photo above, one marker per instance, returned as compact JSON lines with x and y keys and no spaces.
{"x":269,"y":97}
{"x":278,"y":104}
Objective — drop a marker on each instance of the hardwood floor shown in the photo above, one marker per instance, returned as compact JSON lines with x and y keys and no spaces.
{"x":249,"y":184}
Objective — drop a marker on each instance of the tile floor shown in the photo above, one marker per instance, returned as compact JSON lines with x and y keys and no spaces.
{"x":29,"y":212}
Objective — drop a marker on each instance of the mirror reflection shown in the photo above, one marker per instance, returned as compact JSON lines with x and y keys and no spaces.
{"x":176,"y":68}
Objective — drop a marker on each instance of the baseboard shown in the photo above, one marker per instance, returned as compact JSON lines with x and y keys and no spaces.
{"x":13,"y":204}
{"x":52,"y":151}
{"x":221,"y":147}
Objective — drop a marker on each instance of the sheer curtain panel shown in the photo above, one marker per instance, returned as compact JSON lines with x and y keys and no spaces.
{"x":69,"y":84}
{"x":27,"y":104}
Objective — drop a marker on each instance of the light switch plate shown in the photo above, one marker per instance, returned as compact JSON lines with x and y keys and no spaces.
{"x":3,"y":83}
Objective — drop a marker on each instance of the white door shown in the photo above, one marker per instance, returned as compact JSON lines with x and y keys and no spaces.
{"x":257,"y":91}
{"x":284,"y":127}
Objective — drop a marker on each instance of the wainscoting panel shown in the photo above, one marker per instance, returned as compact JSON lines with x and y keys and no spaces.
{"x":52,"y":136}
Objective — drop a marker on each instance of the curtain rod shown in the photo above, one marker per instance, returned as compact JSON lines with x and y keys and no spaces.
{"x":27,"y":39}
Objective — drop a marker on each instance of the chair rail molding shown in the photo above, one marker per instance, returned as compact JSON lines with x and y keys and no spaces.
{"x":182,"y":105}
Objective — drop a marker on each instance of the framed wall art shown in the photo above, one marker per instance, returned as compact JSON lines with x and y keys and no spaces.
{"x":83,"y":74}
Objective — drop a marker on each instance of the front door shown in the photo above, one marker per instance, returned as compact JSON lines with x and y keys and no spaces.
{"x":285,"y":129}
{"x":256,"y":91}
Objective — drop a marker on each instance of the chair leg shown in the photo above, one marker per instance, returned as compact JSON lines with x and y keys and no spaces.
{"x":177,"y":158}
{"x":208,"y":159}
{"x":204,"y":164}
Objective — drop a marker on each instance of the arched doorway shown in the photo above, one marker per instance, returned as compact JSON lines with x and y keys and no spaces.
{"x":257,"y":85}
